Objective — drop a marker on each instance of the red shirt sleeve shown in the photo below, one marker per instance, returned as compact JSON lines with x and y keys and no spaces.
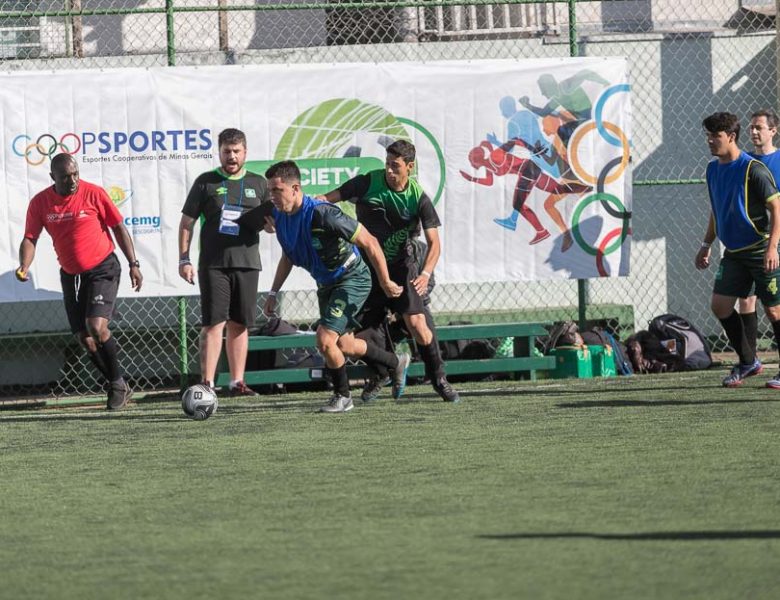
{"x":106,"y":208}
{"x":34,"y":223}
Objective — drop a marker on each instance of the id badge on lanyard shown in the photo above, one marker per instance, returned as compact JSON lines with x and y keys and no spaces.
{"x":227,"y":220}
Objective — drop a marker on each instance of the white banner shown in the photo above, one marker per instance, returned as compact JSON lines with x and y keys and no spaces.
{"x":527,"y":162}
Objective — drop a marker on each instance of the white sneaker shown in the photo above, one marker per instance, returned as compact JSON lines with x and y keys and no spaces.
{"x":338,"y":404}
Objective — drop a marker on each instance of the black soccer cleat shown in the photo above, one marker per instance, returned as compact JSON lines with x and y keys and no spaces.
{"x":445,"y":390}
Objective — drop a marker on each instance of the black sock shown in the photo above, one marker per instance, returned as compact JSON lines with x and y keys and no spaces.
{"x":750,"y":323}
{"x":776,"y":330}
{"x":431,"y":356}
{"x":732,"y":325}
{"x":375,"y":356}
{"x":97,"y":361}
{"x":340,"y":380}
{"x":109,"y":352}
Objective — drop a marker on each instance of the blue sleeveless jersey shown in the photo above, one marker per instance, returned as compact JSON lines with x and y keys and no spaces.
{"x":728,"y":185}
{"x":294,"y":235}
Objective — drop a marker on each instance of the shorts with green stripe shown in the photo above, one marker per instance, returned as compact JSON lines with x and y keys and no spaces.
{"x":340,"y":302}
{"x":739,"y":272}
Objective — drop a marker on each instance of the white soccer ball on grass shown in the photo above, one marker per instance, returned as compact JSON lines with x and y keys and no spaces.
{"x":199,"y":402}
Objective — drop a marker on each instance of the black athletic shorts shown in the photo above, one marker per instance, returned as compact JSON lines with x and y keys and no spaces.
{"x":228,"y":295}
{"x":91,"y":293}
{"x":408,"y":303}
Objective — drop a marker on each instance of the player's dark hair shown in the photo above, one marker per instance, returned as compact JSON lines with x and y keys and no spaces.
{"x":722,"y":121}
{"x":231,"y":137}
{"x":403,"y":149}
{"x":285,"y":170}
{"x":61,"y":160}
{"x":769,"y":114}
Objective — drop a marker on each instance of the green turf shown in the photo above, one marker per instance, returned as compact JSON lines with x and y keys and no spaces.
{"x":644,"y":487}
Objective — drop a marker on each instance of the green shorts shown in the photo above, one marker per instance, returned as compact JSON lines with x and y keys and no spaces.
{"x":340,"y":302}
{"x":738,"y":272}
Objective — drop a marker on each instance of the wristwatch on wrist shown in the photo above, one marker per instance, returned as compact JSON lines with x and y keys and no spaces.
{"x":135,"y":263}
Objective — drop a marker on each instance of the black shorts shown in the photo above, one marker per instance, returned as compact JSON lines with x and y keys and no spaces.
{"x":91,"y":293}
{"x":228,"y":295}
{"x":408,"y":303}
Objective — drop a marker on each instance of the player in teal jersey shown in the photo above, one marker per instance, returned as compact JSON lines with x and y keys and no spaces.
{"x":763,"y":128}
{"x":393,"y":207}
{"x":745,"y":217}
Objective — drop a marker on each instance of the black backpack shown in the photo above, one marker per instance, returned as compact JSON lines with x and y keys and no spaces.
{"x":683,"y":339}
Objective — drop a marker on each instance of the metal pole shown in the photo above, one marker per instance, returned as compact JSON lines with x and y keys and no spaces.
{"x":78,"y":31}
{"x":222,"y":22}
{"x":582,"y":284}
{"x":171,"y":46}
{"x":184,"y":358}
{"x":68,"y":31}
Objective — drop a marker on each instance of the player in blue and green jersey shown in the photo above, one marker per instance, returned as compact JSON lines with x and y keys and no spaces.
{"x":393,"y":207}
{"x":323,"y":240}
{"x":745,"y":217}
{"x":763,"y":128}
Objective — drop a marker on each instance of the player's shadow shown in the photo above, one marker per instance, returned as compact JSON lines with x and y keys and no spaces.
{"x":675,"y":536}
{"x":655,"y":403}
{"x":9,"y":420}
{"x":564,"y":390}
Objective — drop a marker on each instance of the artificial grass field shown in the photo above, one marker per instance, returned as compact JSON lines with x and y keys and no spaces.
{"x":646,"y":487}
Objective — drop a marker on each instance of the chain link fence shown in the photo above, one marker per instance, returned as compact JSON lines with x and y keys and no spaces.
{"x":686,"y":60}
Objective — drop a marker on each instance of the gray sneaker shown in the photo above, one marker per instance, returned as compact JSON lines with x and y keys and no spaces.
{"x":119,"y":394}
{"x":338,"y":404}
{"x":372,"y":388}
{"x":399,"y":374}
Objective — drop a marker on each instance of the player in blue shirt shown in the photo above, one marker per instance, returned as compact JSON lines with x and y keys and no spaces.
{"x":745,"y":217}
{"x":317,"y":236}
{"x":763,"y":128}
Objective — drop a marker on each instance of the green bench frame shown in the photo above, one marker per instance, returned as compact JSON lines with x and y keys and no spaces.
{"x":524,"y":360}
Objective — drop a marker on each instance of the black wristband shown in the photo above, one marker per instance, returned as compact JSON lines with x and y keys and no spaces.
{"x":135,"y":263}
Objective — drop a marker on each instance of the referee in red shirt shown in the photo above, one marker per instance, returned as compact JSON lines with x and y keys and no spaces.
{"x":78,"y":216}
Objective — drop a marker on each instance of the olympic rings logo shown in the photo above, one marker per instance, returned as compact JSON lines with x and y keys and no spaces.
{"x":44,"y":147}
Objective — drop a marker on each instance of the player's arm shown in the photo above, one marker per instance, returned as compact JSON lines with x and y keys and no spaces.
{"x":186,"y":270}
{"x":702,"y":260}
{"x":771,"y":259}
{"x":373,"y":251}
{"x":283,"y":270}
{"x":26,"y":256}
{"x":352,"y":190}
{"x":125,"y":243}
{"x":420,"y":282}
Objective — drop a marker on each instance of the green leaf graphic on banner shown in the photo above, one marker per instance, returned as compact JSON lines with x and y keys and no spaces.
{"x":325,"y":130}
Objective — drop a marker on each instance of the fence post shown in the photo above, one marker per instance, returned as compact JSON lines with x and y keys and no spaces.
{"x":184,"y":357}
{"x":582,"y":284}
{"x":171,"y":46}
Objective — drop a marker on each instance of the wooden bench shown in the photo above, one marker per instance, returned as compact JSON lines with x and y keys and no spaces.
{"x":523,"y":361}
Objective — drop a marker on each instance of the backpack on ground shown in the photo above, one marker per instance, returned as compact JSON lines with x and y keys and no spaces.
{"x":683,"y":339}
{"x":564,"y":333}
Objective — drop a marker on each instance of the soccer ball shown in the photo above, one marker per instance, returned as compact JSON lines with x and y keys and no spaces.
{"x":199,"y":402}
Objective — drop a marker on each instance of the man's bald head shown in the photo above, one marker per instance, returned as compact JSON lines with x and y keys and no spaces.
{"x":65,"y":174}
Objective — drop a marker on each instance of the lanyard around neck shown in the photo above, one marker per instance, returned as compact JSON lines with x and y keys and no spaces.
{"x":240,"y":194}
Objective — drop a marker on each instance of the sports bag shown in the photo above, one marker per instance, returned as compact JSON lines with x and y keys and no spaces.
{"x":597,"y":336}
{"x":683,"y":339}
